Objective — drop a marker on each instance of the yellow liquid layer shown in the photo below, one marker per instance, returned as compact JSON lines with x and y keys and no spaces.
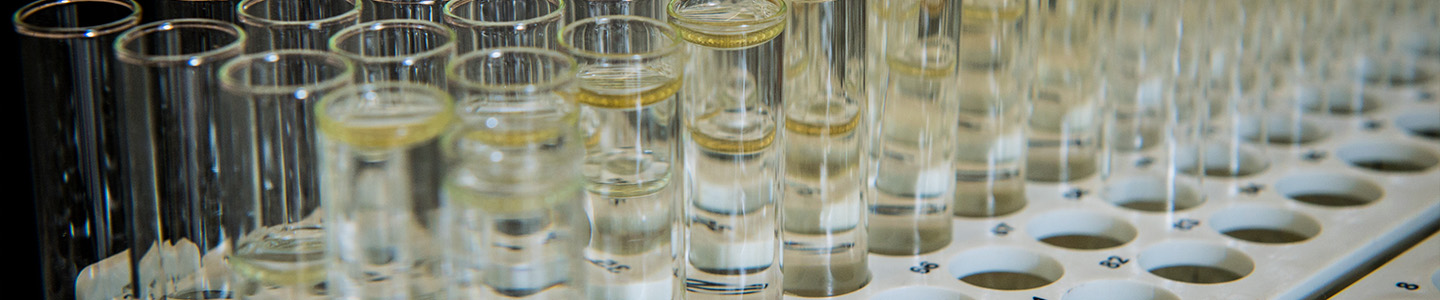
{"x":512,"y":138}
{"x":729,"y":41}
{"x":928,"y":71}
{"x":819,"y":129}
{"x":643,"y":98}
{"x":384,"y":130}
{"x":732,"y":146}
{"x":692,"y":23}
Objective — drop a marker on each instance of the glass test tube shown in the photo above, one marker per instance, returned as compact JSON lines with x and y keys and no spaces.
{"x":271,"y":96}
{"x":75,"y":142}
{"x":581,"y":9}
{"x":995,"y":92}
{"x":397,"y":50}
{"x":629,"y":69}
{"x":513,"y":223}
{"x":1224,"y":60}
{"x":295,"y":24}
{"x":505,"y":23}
{"x":733,"y":162}
{"x":183,"y":175}
{"x":1149,"y":126}
{"x":426,"y":10}
{"x":219,"y":10}
{"x":1064,"y":127}
{"x":825,"y":252}
{"x":914,"y":179}
{"x":375,"y":141}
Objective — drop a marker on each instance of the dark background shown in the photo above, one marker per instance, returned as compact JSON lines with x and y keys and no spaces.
{"x":24,"y":255}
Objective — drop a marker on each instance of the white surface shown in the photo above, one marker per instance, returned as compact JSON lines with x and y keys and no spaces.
{"x":1418,"y":267}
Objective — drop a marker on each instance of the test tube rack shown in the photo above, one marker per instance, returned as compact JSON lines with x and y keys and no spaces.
{"x":1343,"y":243}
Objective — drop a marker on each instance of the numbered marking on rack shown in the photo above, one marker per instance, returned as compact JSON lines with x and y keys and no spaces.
{"x":1036,"y":298}
{"x":609,"y":265}
{"x":1313,"y":155}
{"x":712,"y":224}
{"x":1144,"y":161}
{"x":1426,"y":97}
{"x":1002,"y":229}
{"x":617,"y":201}
{"x":1075,"y":193}
{"x":1407,"y":286}
{"x":1114,"y":262}
{"x":1186,"y":224}
{"x":1372,"y":125}
{"x":924,"y":267}
{"x":1252,"y":189}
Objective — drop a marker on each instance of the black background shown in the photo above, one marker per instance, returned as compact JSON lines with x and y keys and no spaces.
{"x":24,"y":256}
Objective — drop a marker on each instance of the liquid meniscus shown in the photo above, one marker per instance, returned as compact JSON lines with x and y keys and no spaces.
{"x":730,"y":25}
{"x":626,"y":87}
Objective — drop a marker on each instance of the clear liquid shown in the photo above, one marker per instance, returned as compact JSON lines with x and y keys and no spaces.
{"x":519,"y":253}
{"x":1064,"y":124}
{"x":283,"y":255}
{"x":825,"y":248}
{"x":914,"y":181}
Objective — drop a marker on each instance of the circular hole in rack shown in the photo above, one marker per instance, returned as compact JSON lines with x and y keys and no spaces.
{"x":1150,"y":194}
{"x":1005,"y":268}
{"x":1280,"y":130}
{"x":920,"y":293}
{"x":1421,"y":124}
{"x":1328,"y":189}
{"x":1221,"y":161}
{"x":1195,"y":262}
{"x":1387,"y":156}
{"x":1265,"y":224}
{"x":1117,"y":290}
{"x":1081,"y":230}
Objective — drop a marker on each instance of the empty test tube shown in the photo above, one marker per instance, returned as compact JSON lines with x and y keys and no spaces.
{"x":189,"y":185}
{"x":580,"y":9}
{"x":733,"y":119}
{"x":271,"y":98}
{"x":914,"y":177}
{"x":484,"y":24}
{"x":995,"y":64}
{"x":512,"y":223}
{"x":76,"y":143}
{"x":825,"y":250}
{"x":629,"y":70}
{"x":295,"y":24}
{"x":1064,"y":126}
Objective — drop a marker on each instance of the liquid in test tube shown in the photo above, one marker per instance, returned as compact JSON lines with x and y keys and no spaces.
{"x":994,"y":84}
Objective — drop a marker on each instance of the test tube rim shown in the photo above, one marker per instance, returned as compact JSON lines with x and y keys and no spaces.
{"x":779,"y":16}
{"x":233,"y":84}
{"x":324,"y":120}
{"x":233,"y":49}
{"x":448,"y":47}
{"x":452,"y":19}
{"x":94,"y":31}
{"x":245,"y":17}
{"x":677,"y":45}
{"x":557,"y":82}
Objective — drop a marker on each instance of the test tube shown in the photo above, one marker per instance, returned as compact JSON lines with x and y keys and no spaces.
{"x":219,"y":10}
{"x":1225,"y":59}
{"x":914,"y":179}
{"x":1149,"y":127}
{"x":397,"y":50}
{"x":1064,"y":126}
{"x":75,"y":141}
{"x":995,"y":78}
{"x":581,"y":9}
{"x":425,"y":10}
{"x":295,"y":24}
{"x":280,"y":251}
{"x":733,"y":151}
{"x":513,"y":223}
{"x":825,"y":252}
{"x":182,"y":174}
{"x":374,"y":143}
{"x":629,"y":69}
{"x":482,"y":24}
